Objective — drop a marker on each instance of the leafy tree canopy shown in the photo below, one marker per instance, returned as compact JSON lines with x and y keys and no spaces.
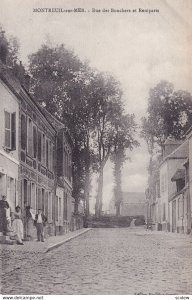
{"x":169,"y":114}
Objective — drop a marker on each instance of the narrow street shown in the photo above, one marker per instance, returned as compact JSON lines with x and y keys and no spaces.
{"x":108,"y":261}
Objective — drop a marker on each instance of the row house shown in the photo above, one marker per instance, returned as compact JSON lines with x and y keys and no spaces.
{"x":173,"y":187}
{"x":37,"y":163}
{"x":173,"y":204}
{"x":35,"y":157}
{"x":9,"y":142}
{"x":64,"y":205}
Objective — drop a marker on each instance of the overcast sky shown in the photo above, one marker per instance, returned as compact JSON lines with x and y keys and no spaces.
{"x":139,"y":49}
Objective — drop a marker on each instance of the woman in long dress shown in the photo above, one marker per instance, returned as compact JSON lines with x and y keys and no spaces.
{"x":29,"y":221}
{"x":18,"y":225}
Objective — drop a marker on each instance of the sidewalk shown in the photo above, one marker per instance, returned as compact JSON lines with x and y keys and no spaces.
{"x":50,"y":243}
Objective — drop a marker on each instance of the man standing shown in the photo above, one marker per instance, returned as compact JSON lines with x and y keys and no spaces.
{"x":40,"y":221}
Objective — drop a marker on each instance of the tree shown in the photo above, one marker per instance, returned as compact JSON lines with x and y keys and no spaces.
{"x":169,"y":115}
{"x":63,"y":84}
{"x":9,"y":49}
{"x":111,"y":132}
{"x":125,"y":129}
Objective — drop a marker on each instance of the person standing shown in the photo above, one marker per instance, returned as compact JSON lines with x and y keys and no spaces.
{"x":40,"y":221}
{"x":29,"y":222}
{"x":3,"y":215}
{"x":18,"y":225}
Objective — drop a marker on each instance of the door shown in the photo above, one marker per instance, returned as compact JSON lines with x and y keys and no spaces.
{"x":174,"y":216}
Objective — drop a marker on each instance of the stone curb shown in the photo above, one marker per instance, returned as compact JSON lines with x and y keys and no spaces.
{"x":66,"y":240}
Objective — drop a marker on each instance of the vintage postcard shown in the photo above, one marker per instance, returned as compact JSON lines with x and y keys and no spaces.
{"x":95,"y":148}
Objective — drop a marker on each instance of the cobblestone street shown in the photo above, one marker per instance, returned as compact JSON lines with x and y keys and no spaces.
{"x":106,"y":261}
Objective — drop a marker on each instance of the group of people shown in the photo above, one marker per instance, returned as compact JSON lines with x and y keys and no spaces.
{"x":11,"y":223}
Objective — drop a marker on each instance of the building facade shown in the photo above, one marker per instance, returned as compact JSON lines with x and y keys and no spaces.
{"x":173,"y":202}
{"x":37,"y":175}
{"x":9,"y":142}
{"x":35,"y":158}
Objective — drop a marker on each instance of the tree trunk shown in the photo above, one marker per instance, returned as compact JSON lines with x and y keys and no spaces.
{"x":87,"y":190}
{"x":99,"y":198}
{"x":118,"y":205}
{"x":118,"y":161}
{"x":76,"y":210}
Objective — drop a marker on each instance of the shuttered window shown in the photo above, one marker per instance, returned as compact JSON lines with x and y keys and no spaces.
{"x":23,"y":132}
{"x":10,"y":130}
{"x":13,"y":131}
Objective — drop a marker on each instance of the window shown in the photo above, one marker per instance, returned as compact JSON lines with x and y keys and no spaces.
{"x":158,"y":188}
{"x":47,"y":153}
{"x":43,"y":200}
{"x":56,"y":209}
{"x":70,"y":167}
{"x":43,"y":149}
{"x":50,"y":207}
{"x":33,"y":196}
{"x":46,"y":204}
{"x":180,"y":184}
{"x":10,"y":130}
{"x":39,"y":145}
{"x":39,"y":202}
{"x":180,"y":208}
{"x":51,"y":156}
{"x":23,"y":132}
{"x":30,"y":137}
{"x":34,"y":141}
{"x":164,"y":213}
{"x":65,"y":206}
{"x":60,"y":210}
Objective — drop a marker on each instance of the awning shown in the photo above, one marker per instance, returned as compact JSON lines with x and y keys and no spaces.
{"x":179,"y":174}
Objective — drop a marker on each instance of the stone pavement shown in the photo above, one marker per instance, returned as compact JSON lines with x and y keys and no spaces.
{"x":42,"y":247}
{"x":108,"y":261}
{"x":14,"y":257}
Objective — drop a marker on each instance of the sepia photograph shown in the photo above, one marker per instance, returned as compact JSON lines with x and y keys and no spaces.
{"x":95,"y":148}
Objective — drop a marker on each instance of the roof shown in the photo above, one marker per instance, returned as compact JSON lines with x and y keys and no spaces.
{"x":18,"y":89}
{"x":58,"y":125}
{"x":179,"y":174}
{"x":172,"y":141}
{"x":133,"y":197}
{"x":181,"y":152}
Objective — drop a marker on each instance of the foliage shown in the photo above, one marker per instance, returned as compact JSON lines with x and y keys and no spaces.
{"x":9,"y":49}
{"x":89,"y":103}
{"x":169,"y":115}
{"x":125,"y":129}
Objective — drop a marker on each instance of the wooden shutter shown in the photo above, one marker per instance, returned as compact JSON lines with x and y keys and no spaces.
{"x":23,"y":132}
{"x":13,"y":131}
{"x":7,"y":130}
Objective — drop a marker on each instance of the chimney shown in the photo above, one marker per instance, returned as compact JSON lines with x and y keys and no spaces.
{"x":26,"y":82}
